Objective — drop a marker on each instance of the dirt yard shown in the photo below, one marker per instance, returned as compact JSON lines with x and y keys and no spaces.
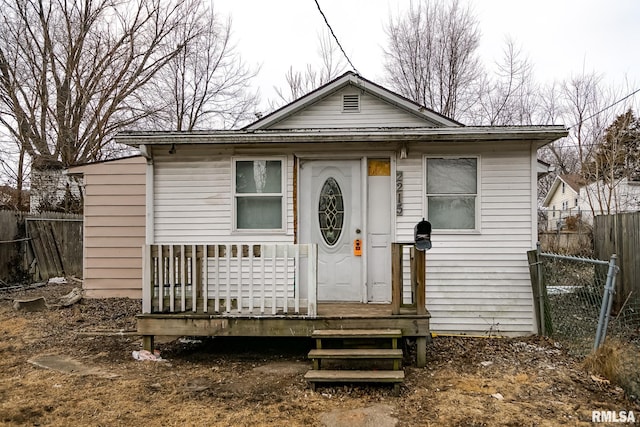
{"x":467,"y":382}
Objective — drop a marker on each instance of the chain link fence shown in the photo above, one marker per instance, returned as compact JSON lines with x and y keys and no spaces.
{"x":579,"y":312}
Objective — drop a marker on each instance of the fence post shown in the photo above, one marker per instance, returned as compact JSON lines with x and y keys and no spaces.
{"x":607,"y":300}
{"x":543,"y":329}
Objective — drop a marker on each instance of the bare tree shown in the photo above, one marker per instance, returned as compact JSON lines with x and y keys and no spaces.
{"x":206,"y":84}
{"x":614,"y":160}
{"x":585,"y":104}
{"x":299,"y":83}
{"x":562,"y":154}
{"x":71,"y":73}
{"x":579,"y":103}
{"x":432,"y":58}
{"x":14,"y":168}
{"x":509,"y":95}
{"x":585,"y":99}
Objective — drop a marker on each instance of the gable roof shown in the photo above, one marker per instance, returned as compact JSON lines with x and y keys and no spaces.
{"x":359,"y":82}
{"x":573,"y":181}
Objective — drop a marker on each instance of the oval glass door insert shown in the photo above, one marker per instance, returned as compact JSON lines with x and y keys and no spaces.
{"x":331,"y":211}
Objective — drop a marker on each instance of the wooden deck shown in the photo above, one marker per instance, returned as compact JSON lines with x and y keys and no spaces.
{"x":260,"y":290}
{"x":329,"y":316}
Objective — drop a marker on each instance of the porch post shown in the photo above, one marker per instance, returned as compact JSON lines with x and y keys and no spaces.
{"x":148,"y":342}
{"x":421,"y":289}
{"x":396,"y":277}
{"x":312,"y":281}
{"x":421,"y":352}
{"x":147,"y":285}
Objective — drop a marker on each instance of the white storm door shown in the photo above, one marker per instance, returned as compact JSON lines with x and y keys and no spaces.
{"x":330,"y":216}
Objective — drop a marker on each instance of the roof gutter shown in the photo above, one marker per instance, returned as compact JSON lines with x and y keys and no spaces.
{"x":541,"y":134}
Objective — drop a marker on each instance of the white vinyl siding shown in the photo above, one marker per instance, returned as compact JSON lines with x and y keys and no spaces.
{"x":193,"y":200}
{"x":479,"y":283}
{"x":328,"y":113}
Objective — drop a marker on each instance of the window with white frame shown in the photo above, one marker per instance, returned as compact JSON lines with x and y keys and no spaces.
{"x":258,"y":194}
{"x":452,"y":192}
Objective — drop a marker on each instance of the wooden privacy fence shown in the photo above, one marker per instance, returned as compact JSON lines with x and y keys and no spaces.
{"x":620,"y":234}
{"x":39,"y":246}
{"x":243,"y":279}
{"x":56,"y":243}
{"x":566,"y":242}
{"x":11,"y":242}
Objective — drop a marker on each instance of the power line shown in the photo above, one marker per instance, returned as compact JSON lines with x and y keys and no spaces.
{"x":336,"y":38}
{"x":606,"y":108}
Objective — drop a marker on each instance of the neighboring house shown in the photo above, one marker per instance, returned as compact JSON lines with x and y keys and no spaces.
{"x":570,"y":196}
{"x":330,"y":181}
{"x":51,"y":189}
{"x":563,"y":200}
{"x":114,"y":226}
{"x":600,"y":198}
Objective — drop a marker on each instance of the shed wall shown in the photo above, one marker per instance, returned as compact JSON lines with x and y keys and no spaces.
{"x":114,"y":227}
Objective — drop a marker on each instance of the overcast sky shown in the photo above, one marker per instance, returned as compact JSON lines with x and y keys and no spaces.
{"x":560,"y":37}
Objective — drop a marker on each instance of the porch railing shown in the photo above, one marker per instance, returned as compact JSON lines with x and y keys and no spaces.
{"x":230,"y":278}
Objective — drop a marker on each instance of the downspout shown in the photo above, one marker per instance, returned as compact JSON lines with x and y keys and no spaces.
{"x":149,"y":208}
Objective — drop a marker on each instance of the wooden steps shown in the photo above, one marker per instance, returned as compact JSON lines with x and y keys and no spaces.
{"x":357,"y":333}
{"x":342,"y":375}
{"x":356,"y":353}
{"x":356,"y":345}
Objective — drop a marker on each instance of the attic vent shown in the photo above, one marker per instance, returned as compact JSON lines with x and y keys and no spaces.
{"x":351,"y":103}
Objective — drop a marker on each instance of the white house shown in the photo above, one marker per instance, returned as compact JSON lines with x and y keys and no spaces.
{"x":563,"y":200}
{"x":570,"y":196}
{"x":332,"y":180}
{"x":602,"y":198}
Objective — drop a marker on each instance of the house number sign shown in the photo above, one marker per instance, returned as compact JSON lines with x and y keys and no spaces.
{"x":399,"y":185}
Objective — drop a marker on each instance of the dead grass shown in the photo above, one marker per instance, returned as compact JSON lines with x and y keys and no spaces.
{"x":260,"y":382}
{"x":606,"y":361}
{"x":617,"y":362}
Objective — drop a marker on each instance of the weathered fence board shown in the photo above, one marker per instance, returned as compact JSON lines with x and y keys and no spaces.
{"x":566,"y":242}
{"x":620,"y":234}
{"x":53,"y":239}
{"x":10,"y":244}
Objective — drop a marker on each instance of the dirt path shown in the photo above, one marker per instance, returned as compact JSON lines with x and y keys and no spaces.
{"x":232,"y":382}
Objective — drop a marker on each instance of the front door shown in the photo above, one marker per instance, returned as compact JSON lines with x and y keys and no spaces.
{"x":330,"y":216}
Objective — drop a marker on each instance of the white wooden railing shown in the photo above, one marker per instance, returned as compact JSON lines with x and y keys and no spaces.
{"x":230,"y":278}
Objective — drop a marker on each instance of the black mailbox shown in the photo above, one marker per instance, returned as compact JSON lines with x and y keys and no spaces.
{"x":422,"y":235}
